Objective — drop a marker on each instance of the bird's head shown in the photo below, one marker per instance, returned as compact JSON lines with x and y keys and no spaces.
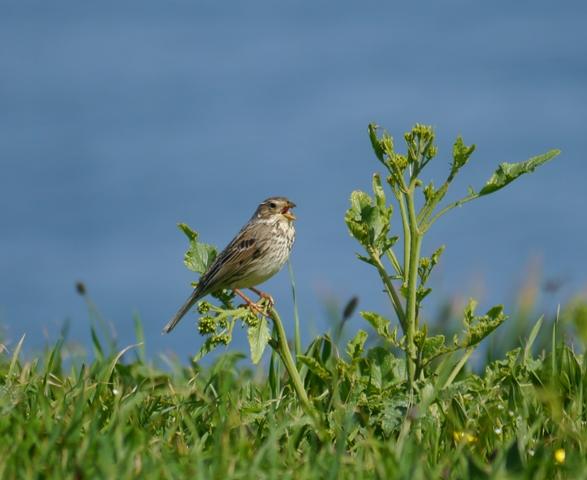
{"x":276,"y":206}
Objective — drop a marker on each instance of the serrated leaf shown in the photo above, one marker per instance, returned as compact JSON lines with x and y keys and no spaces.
{"x":258,"y":336}
{"x":393,"y":414}
{"x":479,"y":327}
{"x":357,"y":230}
{"x":199,"y":256}
{"x":206,"y":348}
{"x":365,"y":259}
{"x":508,"y":172}
{"x":368,"y":222}
{"x":381,"y":326}
{"x":359,"y":201}
{"x":469,"y":314}
{"x":434,"y":346}
{"x":357,"y":217}
{"x":385,"y":368}
{"x":356,"y":346}
{"x":315,"y":367}
{"x":422,"y":293}
{"x":460,"y":155}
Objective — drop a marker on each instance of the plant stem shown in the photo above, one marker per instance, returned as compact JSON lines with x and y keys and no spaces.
{"x":406,"y":227}
{"x":391,"y":291}
{"x":411,"y":307}
{"x":290,"y":366}
{"x":394,"y":261}
{"x":458,"y":367}
{"x":448,"y":208}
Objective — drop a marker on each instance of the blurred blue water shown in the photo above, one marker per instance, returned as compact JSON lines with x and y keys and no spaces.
{"x":119,"y":120}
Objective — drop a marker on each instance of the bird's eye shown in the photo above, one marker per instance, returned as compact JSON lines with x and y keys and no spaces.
{"x":272,"y":205}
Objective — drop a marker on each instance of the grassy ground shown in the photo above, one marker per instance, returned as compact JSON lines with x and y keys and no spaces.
{"x":119,"y":416}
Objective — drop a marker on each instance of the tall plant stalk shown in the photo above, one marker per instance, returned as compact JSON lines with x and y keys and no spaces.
{"x":412,"y":281}
{"x":281,"y":346}
{"x":369,"y":222}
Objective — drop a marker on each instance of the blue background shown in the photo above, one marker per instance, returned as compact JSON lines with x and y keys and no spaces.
{"x":120,"y":119}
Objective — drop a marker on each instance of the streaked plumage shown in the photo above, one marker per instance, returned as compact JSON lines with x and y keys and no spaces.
{"x":258,"y":252}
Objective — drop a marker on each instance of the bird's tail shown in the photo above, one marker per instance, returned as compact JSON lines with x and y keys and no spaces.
{"x":194,"y":297}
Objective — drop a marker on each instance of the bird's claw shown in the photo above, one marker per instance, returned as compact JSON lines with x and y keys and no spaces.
{"x":257,"y":308}
{"x":268,"y":298}
{"x":264,"y":296}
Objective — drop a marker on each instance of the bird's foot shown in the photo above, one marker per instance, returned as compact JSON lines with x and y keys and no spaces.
{"x":252,"y":305}
{"x":264,"y":296}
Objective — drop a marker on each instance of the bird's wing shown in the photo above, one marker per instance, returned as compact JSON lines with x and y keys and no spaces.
{"x":233,"y":262}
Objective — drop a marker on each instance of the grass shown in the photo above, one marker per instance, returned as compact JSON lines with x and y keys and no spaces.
{"x":120,"y":416}
{"x":406,"y":405}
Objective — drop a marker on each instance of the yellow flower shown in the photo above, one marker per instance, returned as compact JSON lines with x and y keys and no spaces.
{"x":559,"y":456}
{"x":464,"y":437}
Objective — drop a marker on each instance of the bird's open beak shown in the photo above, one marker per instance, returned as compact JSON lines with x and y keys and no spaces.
{"x":287,"y":213}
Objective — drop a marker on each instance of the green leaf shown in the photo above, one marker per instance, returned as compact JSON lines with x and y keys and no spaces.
{"x":379,"y":193}
{"x":259,"y":336}
{"x":356,"y":346}
{"x":375,"y":143}
{"x":427,"y":264}
{"x":460,"y":155}
{"x":469,"y":314}
{"x":479,"y":327}
{"x":532,"y":338}
{"x":368,"y":222}
{"x":357,"y":215}
{"x":508,"y":172}
{"x":359,"y":202}
{"x":15,"y":355}
{"x":191,"y":234}
{"x":385,"y":368}
{"x":199,"y":255}
{"x":315,"y":367}
{"x":429,"y":191}
{"x":206,"y":348}
{"x":433,"y":346}
{"x":378,"y":322}
{"x":422,"y":293}
{"x":381,"y":326}
{"x":365,"y":259}
{"x":394,"y":413}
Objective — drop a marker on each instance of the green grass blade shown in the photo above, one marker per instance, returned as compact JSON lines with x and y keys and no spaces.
{"x":140,"y":338}
{"x":297,"y":333}
{"x":532,"y":338}
{"x":15,"y":355}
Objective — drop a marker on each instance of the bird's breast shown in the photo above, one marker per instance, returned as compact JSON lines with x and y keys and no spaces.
{"x":274,"y":251}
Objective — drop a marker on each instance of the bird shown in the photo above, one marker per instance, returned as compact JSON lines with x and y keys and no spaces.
{"x":255,"y":254}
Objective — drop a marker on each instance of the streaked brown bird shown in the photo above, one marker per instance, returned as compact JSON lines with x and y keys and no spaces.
{"x":258,"y":252}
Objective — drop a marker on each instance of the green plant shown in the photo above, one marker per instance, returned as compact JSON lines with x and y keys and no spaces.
{"x":119,"y":415}
{"x":217,"y":322}
{"x":369,"y":221}
{"x":522,"y":415}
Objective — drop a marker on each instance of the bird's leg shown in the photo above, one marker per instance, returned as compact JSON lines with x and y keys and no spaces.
{"x":264,"y":295}
{"x":252,"y":305}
